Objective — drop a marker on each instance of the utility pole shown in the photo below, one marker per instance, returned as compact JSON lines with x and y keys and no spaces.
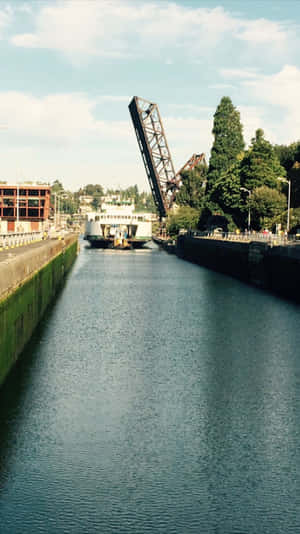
{"x":289,"y":200}
{"x":18,"y":203}
{"x":249,"y":214}
{"x":289,"y":205}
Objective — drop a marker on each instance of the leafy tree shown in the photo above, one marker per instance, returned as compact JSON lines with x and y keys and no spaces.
{"x":184,"y":217}
{"x":294,"y":176}
{"x":289,"y":157}
{"x":96,"y":202}
{"x":68,"y":204}
{"x":228,"y":140}
{"x":226,"y":194}
{"x":266,"y":204}
{"x":192,"y":190}
{"x":288,"y":154}
{"x":260,"y":165}
{"x":56,"y":187}
{"x":294,"y":220}
{"x":92,"y":189}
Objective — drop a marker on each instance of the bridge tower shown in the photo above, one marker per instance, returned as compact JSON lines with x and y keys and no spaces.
{"x":163,"y":180}
{"x":155,"y":152}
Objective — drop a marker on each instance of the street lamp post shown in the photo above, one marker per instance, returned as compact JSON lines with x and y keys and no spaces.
{"x":249,"y":214}
{"x":55,"y":211}
{"x":289,"y":201}
{"x":289,"y":206}
{"x":18,"y":202}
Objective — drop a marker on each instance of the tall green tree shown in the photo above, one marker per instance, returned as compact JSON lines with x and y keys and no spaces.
{"x":266,"y":204}
{"x":226,"y":194}
{"x":228,"y":140}
{"x":192,"y":190}
{"x":289,"y":157}
{"x":260,"y":165}
{"x":93,"y":189}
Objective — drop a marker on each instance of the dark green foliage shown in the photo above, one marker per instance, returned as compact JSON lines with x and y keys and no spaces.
{"x":288,"y":154}
{"x":185,"y":217}
{"x":192,"y":190}
{"x":294,"y":220}
{"x":260,"y":165}
{"x":69,"y":204}
{"x":96,"y":202}
{"x":92,"y":189}
{"x":228,"y":140}
{"x":289,"y":157}
{"x":266,"y":204}
{"x":226,"y":194}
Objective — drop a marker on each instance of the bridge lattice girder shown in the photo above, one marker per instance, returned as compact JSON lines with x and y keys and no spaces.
{"x":155,"y":152}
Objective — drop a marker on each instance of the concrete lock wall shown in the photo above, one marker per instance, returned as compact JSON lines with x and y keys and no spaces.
{"x":28,"y":283}
{"x":274,"y":268}
{"x":226,"y":257}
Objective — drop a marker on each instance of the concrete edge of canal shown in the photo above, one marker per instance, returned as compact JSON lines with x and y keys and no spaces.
{"x":274,"y":268}
{"x":29,"y":281}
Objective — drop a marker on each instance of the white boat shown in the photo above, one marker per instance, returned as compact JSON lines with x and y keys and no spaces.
{"x":118,"y":225}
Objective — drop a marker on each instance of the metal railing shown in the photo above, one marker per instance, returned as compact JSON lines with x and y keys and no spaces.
{"x":271,"y":239}
{"x":12,"y":240}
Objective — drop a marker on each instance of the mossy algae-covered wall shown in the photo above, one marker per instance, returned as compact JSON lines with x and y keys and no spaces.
{"x":22,"y":308}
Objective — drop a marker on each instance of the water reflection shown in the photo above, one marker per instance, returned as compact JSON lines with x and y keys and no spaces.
{"x":157,"y":397}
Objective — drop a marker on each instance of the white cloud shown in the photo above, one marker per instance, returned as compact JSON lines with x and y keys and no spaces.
{"x":59,"y":135}
{"x":262,"y":31}
{"x":281,"y":89}
{"x":67,"y":118}
{"x":127,"y":28}
{"x":187,"y":136}
{"x":252,"y":118}
{"x":238,"y":73}
{"x":113,"y":98}
{"x":281,"y":92}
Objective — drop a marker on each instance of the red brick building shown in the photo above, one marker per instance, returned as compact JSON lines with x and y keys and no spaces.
{"x":27,"y":203}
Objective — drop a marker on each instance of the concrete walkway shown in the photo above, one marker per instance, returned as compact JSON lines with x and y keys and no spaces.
{"x":8,"y":254}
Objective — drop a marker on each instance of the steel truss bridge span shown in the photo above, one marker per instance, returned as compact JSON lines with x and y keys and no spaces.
{"x":152,"y":141}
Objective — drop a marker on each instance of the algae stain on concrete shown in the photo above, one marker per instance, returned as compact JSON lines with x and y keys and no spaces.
{"x":21,"y":311}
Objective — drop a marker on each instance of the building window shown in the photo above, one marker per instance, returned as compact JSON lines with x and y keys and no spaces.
{"x":33,"y":203}
{"x":8,"y":212}
{"x":32,"y":212}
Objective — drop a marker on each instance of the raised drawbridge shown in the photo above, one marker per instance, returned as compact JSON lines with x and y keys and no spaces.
{"x":164,"y":181}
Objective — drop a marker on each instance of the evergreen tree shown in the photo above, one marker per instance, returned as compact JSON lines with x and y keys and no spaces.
{"x":260,"y":165}
{"x":226,"y":194}
{"x":192,"y":190}
{"x":228,"y":140}
{"x":289,"y":157}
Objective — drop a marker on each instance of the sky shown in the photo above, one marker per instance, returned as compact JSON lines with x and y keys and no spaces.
{"x":69,"y":68}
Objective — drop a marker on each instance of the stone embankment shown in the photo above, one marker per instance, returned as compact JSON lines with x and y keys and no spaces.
{"x":167,"y":244}
{"x":276,"y":268}
{"x":29,"y":280}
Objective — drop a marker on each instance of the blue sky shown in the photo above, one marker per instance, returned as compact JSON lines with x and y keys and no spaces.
{"x":69,"y":68}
